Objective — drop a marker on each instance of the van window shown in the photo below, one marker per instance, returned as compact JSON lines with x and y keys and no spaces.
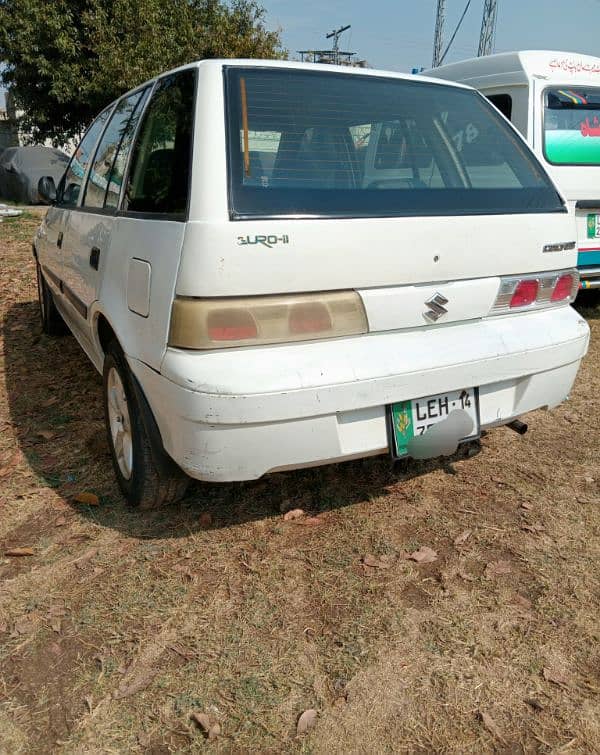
{"x":104,"y":181}
{"x":339,"y":145}
{"x":572,"y":126}
{"x":70,"y":184}
{"x":503,"y":102}
{"x":159,"y":175}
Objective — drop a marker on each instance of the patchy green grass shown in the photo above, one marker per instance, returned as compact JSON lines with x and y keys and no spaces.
{"x":121,"y":624}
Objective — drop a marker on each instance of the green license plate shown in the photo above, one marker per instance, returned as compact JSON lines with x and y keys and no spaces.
{"x":409,"y":419}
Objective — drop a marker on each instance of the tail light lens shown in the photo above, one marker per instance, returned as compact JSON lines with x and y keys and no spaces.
{"x":258,"y":320}
{"x":537,"y":291}
{"x":564,"y":287}
{"x":525,"y":293}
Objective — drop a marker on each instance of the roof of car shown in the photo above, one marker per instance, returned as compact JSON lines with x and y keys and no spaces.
{"x":220,"y":63}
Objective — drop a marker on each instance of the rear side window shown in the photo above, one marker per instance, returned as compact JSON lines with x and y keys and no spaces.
{"x":336,"y":145}
{"x":572,"y":126}
{"x":73,"y":178}
{"x":159,"y":175}
{"x":106,"y":174}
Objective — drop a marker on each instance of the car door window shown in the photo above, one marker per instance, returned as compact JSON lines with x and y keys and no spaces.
{"x":70,"y":185}
{"x":106,"y":173}
{"x":160,"y":165}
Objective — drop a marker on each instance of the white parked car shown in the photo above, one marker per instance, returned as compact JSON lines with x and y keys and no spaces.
{"x":278,"y":265}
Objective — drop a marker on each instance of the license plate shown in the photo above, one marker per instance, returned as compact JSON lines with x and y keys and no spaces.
{"x":410,"y":419}
{"x":593,"y":226}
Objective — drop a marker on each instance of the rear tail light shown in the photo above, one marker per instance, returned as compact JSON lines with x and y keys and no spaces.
{"x":525,"y":294}
{"x":539,"y":291}
{"x":257,"y":320}
{"x":564,"y":287}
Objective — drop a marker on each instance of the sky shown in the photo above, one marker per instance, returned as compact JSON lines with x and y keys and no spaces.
{"x":398,"y":35}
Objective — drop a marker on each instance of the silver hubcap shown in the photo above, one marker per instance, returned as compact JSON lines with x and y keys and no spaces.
{"x":120,"y":424}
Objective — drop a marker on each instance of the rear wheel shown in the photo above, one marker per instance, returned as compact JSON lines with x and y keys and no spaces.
{"x":52,"y":322}
{"x":147,"y":476}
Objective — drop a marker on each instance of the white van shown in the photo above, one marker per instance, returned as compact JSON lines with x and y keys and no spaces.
{"x":553,"y":99}
{"x":278,"y":265}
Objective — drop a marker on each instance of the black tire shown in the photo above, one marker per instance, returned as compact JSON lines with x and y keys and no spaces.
{"x":50,"y":317}
{"x":155,"y":480}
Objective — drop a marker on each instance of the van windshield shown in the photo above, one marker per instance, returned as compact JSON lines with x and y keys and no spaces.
{"x":314,"y":143}
{"x":572,"y":126}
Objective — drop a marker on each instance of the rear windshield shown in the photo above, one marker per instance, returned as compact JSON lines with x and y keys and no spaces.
{"x":306,"y":143}
{"x":572,"y":126}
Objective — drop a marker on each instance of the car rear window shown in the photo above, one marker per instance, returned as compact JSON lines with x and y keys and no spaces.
{"x":572,"y":125}
{"x":313,"y":143}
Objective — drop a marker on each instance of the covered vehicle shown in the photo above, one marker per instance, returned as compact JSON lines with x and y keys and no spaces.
{"x":22,"y":167}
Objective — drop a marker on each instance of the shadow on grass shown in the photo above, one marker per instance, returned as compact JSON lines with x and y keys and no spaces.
{"x":55,"y":403}
{"x":588,"y":304}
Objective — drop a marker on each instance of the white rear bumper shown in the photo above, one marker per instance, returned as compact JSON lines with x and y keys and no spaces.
{"x":238,"y":414}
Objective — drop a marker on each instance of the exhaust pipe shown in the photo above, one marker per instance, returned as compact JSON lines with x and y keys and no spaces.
{"x":518,"y":426}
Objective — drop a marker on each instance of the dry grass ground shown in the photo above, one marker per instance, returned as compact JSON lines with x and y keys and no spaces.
{"x":120,"y":624}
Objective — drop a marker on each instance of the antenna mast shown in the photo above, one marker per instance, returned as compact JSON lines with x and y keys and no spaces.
{"x":488,"y":28}
{"x":439,"y":33}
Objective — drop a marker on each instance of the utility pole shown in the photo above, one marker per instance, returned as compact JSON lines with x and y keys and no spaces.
{"x":488,"y":28}
{"x":438,"y":38}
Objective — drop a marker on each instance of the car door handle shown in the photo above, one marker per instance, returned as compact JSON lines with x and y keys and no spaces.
{"x":59,"y":240}
{"x":95,"y":257}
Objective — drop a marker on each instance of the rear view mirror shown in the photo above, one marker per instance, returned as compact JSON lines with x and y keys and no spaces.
{"x":47,"y":189}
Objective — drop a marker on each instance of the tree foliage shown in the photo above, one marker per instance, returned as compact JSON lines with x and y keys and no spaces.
{"x":65,"y":60}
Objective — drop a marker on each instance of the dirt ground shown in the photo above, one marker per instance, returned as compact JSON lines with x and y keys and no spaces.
{"x":119,"y":626}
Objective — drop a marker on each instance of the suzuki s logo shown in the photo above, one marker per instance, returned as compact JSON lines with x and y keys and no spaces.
{"x":436,"y":307}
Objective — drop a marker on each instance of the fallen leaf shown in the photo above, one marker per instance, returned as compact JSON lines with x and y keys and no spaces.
{"x":212,"y":729}
{"x":306,"y":721}
{"x":49,"y":402}
{"x":522,"y":601}
{"x":534,"y":703}
{"x":24,"y":624}
{"x":534,"y":528}
{"x":556,"y":677}
{"x":497,"y":568}
{"x":56,"y":625}
{"x":424,"y":555}
{"x":526,"y":506}
{"x":491,"y":725}
{"x":60,"y":521}
{"x":293,"y":514}
{"x":19,"y":552}
{"x":45,"y":434}
{"x":463,"y":537}
{"x":205,"y":520}
{"x":89,"y":499}
{"x":377,"y":562}
{"x":311,"y":521}
{"x":135,"y":683}
{"x":80,"y":562}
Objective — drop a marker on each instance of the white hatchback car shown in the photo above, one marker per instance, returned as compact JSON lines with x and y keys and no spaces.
{"x":278,"y":265}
